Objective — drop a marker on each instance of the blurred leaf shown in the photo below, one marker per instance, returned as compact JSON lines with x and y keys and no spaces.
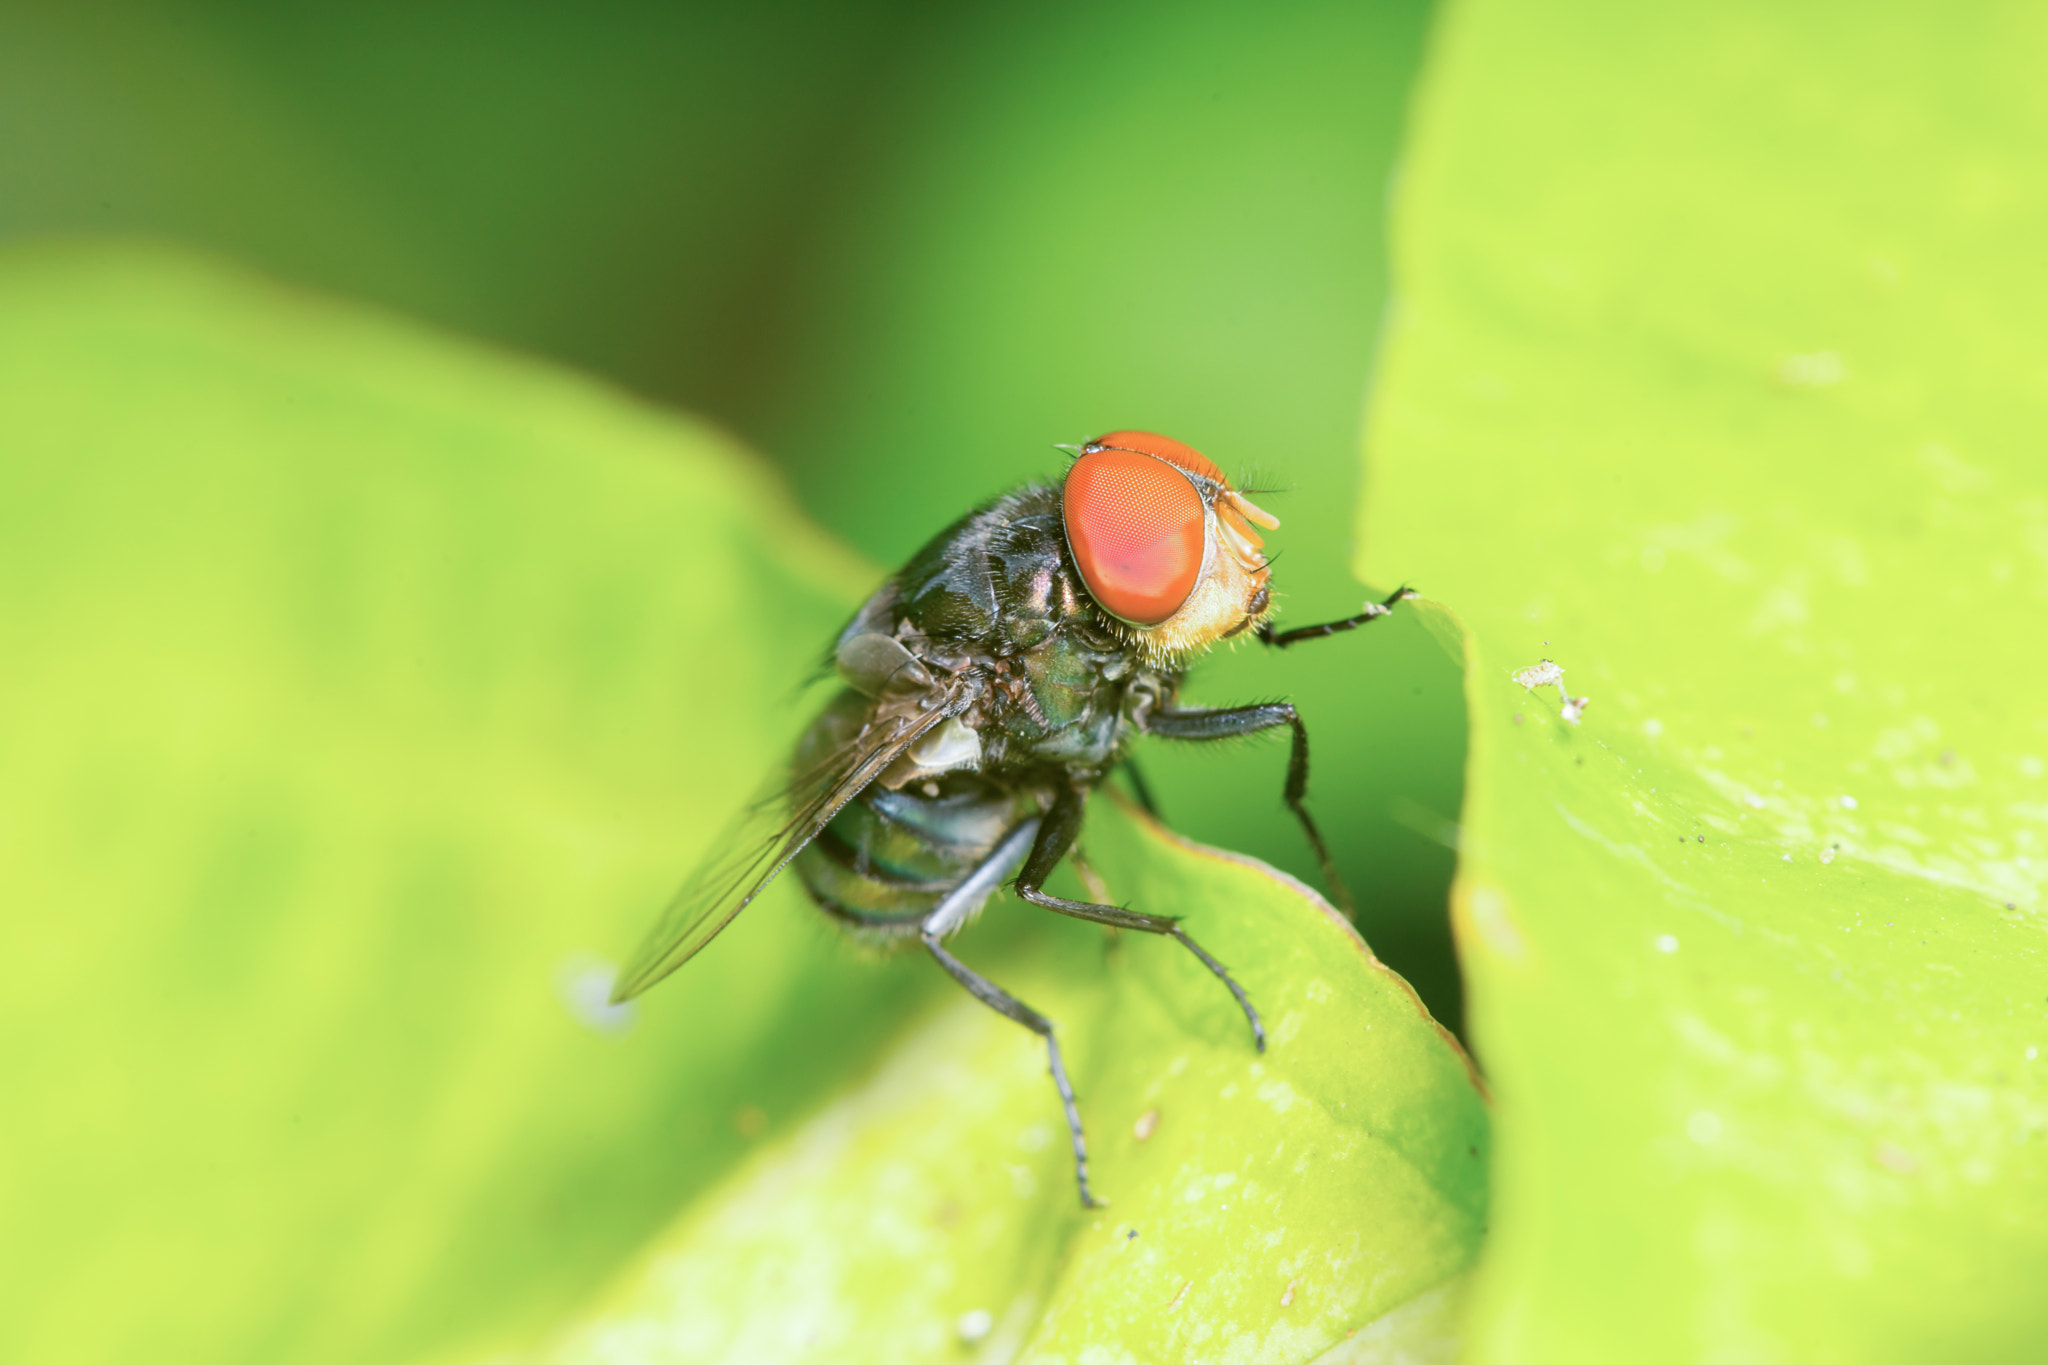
{"x":1062,"y":219}
{"x":361,"y":691}
{"x":620,"y":183}
{"x":1275,"y":1203}
{"x":1719,"y":381}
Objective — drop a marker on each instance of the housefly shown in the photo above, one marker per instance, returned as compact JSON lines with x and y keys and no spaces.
{"x":989,"y":685}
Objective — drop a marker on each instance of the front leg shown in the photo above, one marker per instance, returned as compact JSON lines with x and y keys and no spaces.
{"x":1232,"y":721}
{"x":1055,"y":837}
{"x":1280,"y":639}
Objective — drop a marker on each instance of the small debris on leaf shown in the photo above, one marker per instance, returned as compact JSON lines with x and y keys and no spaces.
{"x":1146,"y":1126}
{"x":975,"y":1324}
{"x":1178,"y":1297}
{"x":1288,"y":1297}
{"x":1544,"y":673}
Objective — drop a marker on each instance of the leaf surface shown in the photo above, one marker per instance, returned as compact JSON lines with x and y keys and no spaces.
{"x":1718,"y":381}
{"x":1260,"y":1208}
{"x":364,"y":692}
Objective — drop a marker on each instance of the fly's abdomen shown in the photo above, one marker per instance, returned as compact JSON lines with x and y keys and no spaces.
{"x":885,"y":861}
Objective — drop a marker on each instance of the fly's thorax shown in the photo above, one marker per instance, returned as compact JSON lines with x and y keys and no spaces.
{"x":996,"y":579}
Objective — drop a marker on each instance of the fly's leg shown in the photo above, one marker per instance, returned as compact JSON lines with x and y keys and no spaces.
{"x":953,"y":911}
{"x":1010,"y":1007}
{"x":957,"y":906}
{"x":1231,"y":721}
{"x":1062,"y":825}
{"x":1280,"y":639}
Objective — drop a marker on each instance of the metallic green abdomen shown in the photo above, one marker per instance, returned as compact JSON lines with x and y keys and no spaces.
{"x":884,"y":861}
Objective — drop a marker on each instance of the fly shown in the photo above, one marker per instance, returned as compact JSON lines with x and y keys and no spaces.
{"x":989,"y":686}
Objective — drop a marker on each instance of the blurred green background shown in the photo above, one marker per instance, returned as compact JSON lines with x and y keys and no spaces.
{"x":900,"y":248}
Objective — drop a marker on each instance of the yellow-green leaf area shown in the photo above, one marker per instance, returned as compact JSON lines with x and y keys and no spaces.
{"x":363,"y":691}
{"x":1259,"y":1208}
{"x":1717,"y":379}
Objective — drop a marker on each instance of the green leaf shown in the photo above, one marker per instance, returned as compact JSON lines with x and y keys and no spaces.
{"x":1259,"y":1208}
{"x":1718,"y":381}
{"x":362,"y":693}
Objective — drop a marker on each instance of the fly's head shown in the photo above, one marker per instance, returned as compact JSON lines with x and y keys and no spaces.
{"x":1164,"y":544}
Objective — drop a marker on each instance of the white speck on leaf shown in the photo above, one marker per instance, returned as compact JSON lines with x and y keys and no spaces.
{"x":1146,"y":1126}
{"x":975,"y":1324}
{"x":585,"y":984}
{"x":1667,"y":943}
{"x":1848,"y":802}
{"x":1278,"y":1096}
{"x":1813,"y":370}
{"x":1493,"y":916}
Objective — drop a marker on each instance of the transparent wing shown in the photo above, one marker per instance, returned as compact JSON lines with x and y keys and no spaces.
{"x":771,"y":830}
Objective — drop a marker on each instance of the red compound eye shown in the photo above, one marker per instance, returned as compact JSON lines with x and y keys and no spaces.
{"x":1165,"y":447}
{"x":1136,"y":527}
